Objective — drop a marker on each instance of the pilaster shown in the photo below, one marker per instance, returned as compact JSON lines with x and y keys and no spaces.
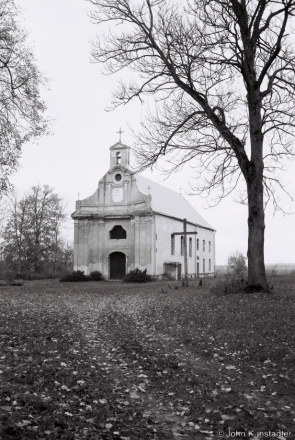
{"x":136,"y":240}
{"x":76,"y":244}
{"x":85,"y":246}
{"x":103,"y":268}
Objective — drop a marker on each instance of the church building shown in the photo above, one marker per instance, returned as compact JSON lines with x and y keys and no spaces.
{"x":129,"y":222}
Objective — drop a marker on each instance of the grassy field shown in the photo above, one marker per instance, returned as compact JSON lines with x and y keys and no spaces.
{"x":159,"y":361}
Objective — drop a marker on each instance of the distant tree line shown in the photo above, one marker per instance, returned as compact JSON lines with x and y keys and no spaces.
{"x":32,"y":232}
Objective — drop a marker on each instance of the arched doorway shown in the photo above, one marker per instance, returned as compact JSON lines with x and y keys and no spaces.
{"x":117,"y":266}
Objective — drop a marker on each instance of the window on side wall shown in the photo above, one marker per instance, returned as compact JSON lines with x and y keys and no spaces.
{"x":209,"y":246}
{"x":209,"y":265}
{"x":204,"y":245}
{"x":190,"y":247}
{"x":197,"y":244}
{"x":204,"y":266}
{"x":181,"y":245}
{"x":172,"y":244}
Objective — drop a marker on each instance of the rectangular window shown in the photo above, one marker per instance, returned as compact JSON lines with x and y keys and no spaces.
{"x":197,"y":244}
{"x":181,"y":245}
{"x":209,"y":265}
{"x":172,"y":244}
{"x":209,"y":246}
{"x":190,"y":247}
{"x":204,"y":265}
{"x":204,"y":245}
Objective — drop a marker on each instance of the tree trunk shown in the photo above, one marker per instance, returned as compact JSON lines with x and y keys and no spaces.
{"x":185,"y":253}
{"x":256,"y":269}
{"x":18,"y":270}
{"x":254,"y":178}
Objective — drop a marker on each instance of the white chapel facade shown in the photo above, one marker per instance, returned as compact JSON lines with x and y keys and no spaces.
{"x":129,"y":223}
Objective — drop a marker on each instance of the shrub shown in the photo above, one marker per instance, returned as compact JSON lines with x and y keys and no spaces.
{"x":237,"y":263}
{"x":75,"y":276}
{"x":96,"y":276}
{"x":229,"y":286}
{"x":79,"y":276}
{"x":138,"y":276}
{"x":30,"y":276}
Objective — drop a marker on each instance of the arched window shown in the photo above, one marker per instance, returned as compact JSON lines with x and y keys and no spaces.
{"x":172,"y":244}
{"x":117,"y":233}
{"x":190,"y":247}
{"x":118,"y":158}
{"x":203,"y":245}
{"x":197,"y":244}
{"x":181,"y":245}
{"x":209,"y":246}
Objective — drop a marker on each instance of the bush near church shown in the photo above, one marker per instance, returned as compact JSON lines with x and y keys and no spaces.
{"x":237,"y":264}
{"x":138,"y":276}
{"x":96,"y":276}
{"x":78,"y":276}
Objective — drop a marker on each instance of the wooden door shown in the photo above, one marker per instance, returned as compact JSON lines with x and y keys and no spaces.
{"x":117,"y":266}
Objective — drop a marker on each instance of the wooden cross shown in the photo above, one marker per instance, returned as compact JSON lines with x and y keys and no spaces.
{"x":148,"y":188}
{"x":120,"y":133}
{"x":185,"y":234}
{"x":180,"y":190}
{"x":78,"y":196}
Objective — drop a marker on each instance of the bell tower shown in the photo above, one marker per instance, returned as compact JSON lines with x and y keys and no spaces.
{"x":119,"y":155}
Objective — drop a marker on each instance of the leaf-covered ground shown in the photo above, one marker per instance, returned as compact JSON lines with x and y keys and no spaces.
{"x":158,"y":361}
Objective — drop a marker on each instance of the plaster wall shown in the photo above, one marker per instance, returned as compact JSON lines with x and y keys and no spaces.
{"x":165,"y":226}
{"x":93,"y":244}
{"x":208,"y":236}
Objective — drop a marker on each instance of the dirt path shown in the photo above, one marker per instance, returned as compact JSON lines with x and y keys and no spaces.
{"x":164,"y":413}
{"x":112,"y":362}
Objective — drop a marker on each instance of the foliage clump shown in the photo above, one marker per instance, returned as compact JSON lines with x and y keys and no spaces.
{"x":138,"y":276}
{"x":237,"y":264}
{"x":78,"y":276}
{"x":22,"y":108}
{"x":30,"y":276}
{"x":96,"y":276}
{"x":229,"y":286}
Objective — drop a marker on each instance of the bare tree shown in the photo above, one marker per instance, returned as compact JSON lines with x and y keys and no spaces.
{"x":33,"y":231}
{"x":46,"y":216}
{"x":15,"y":230}
{"x":21,"y":107}
{"x":222,"y":73}
{"x":3,"y":215}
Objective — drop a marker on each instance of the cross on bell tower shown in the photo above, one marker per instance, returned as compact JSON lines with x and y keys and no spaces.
{"x":120,"y":134}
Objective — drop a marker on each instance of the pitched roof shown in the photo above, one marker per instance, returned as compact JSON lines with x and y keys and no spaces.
{"x":168,"y":202}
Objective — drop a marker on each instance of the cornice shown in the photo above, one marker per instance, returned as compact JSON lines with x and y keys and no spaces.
{"x":81,"y":216}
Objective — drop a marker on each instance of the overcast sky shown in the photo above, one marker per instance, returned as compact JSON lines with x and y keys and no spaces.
{"x":76,"y":154}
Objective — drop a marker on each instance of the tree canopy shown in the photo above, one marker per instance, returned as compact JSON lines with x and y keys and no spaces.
{"x":222,"y":73}
{"x":33,"y":232}
{"x":21,"y":106}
